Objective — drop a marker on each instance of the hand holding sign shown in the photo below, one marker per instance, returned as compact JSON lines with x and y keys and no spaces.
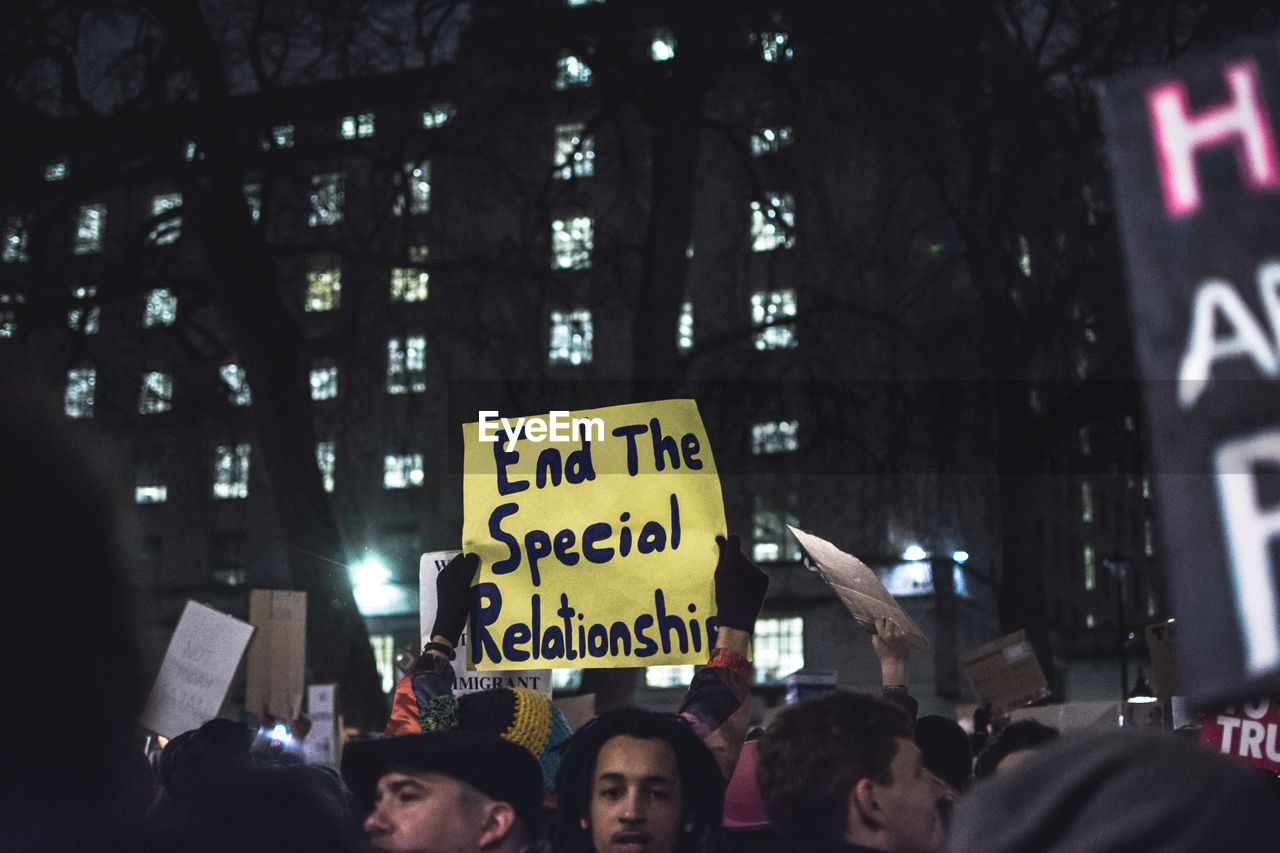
{"x":858,"y":587}
{"x":740,"y":586}
{"x":453,"y":597}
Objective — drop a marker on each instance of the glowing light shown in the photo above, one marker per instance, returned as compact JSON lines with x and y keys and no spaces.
{"x":960,"y":556}
{"x":914,"y":552}
{"x":371,"y":571}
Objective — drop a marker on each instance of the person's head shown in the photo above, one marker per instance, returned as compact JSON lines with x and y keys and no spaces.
{"x":1012,"y":745}
{"x":845,"y":768}
{"x":1119,"y":789}
{"x":638,"y":781}
{"x":447,"y":791}
{"x":945,"y":749}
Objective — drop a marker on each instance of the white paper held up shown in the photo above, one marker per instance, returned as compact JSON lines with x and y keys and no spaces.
{"x":857,"y":586}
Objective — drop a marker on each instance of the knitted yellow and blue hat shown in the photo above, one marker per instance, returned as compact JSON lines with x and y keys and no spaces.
{"x":520,"y":715}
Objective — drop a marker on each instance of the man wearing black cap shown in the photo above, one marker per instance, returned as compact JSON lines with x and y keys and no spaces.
{"x":446,"y":792}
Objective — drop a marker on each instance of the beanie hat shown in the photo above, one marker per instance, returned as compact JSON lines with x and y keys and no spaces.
{"x":1119,"y":790}
{"x":522,"y":716}
{"x":743,"y":805}
{"x":486,"y":762}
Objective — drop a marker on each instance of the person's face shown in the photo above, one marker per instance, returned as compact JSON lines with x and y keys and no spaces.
{"x":416,"y":812}
{"x":636,"y":797}
{"x":915,"y":803}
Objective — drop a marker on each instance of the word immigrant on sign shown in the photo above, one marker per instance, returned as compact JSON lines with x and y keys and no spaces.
{"x":600,"y":555}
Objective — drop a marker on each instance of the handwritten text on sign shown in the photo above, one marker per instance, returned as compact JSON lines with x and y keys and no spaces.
{"x":596,"y":553}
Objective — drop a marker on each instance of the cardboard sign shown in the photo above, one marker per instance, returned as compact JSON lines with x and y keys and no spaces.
{"x":465,"y":681}
{"x":199,"y":664}
{"x":1196,"y":168}
{"x":1160,"y":645}
{"x":1006,"y":673}
{"x":596,"y":535}
{"x":274,"y":670}
{"x":863,"y":594}
{"x":322,"y":745}
{"x":1248,"y":733}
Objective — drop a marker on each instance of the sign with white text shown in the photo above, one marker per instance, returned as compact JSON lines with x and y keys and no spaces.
{"x":596,"y":536}
{"x":1248,"y":733}
{"x":1196,"y":172}
{"x":203,"y":656}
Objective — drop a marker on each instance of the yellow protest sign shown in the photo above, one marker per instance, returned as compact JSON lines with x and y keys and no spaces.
{"x":596,"y":536}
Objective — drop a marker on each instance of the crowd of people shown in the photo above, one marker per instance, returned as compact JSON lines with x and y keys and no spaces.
{"x":501,"y":770}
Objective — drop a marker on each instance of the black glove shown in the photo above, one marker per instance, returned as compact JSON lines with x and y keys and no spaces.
{"x":453,"y":596}
{"x":740,"y":586}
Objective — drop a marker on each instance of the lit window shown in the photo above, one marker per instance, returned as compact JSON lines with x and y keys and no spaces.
{"x":663,"y":46}
{"x":572,"y":3}
{"x":771,"y":541}
{"x":1024,"y":255}
{"x":14,"y":250}
{"x":84,"y":318}
{"x":358,"y":126}
{"x":325,"y":458}
{"x":231,"y":471}
{"x":8,"y":323}
{"x":403,"y":471}
{"x":407,"y":365}
{"x":575,"y":152}
{"x":777,"y":648}
{"x":169,"y":228}
{"x":571,"y":72}
{"x":57,"y":170}
{"x":324,"y":380}
{"x":774,"y":46}
{"x":161,"y":308}
{"x":327,"y":197}
{"x":157,"y":392}
{"x":91,"y":224}
{"x":233,"y":376}
{"x":566,"y":679}
{"x":771,"y":309}
{"x":571,"y":334}
{"x":1148,"y":538}
{"x":571,"y":243}
{"x":191,"y":152}
{"x":684,"y":332}
{"x":677,"y":675}
{"x":324,"y":289}
{"x":418,"y":253}
{"x":281,"y":137}
{"x":253,"y":197}
{"x":437,"y":115}
{"x":1086,"y":502}
{"x":774,"y":437}
{"x":149,"y":477}
{"x":227,"y":558}
{"x":1090,"y":621}
{"x":773,"y":222}
{"x":78,"y":402}
{"x":384,"y":657}
{"x":1090,"y":569}
{"x":417,"y":189}
{"x":767,"y":140}
{"x":408,"y":284}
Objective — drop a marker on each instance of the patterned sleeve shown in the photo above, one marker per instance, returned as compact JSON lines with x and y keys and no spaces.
{"x":424,"y":699}
{"x":718,"y":706}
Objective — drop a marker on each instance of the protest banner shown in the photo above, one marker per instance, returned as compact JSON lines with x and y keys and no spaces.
{"x":858,"y":587}
{"x":274,"y":668}
{"x":1006,"y":673}
{"x":1196,"y":174}
{"x":596,"y":536}
{"x":322,"y":744}
{"x":465,"y":679}
{"x":1248,"y":733}
{"x":199,"y":664}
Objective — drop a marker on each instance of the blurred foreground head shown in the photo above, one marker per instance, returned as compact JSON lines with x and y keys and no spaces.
{"x":1119,"y":790}
{"x":72,"y":675}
